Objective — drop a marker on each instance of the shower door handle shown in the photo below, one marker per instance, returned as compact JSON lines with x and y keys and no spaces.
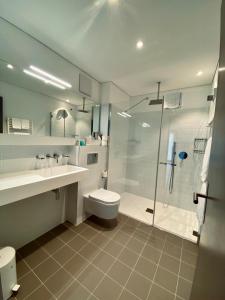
{"x":167,"y":163}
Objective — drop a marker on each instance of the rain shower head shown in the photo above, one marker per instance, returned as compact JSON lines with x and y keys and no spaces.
{"x":158,"y":100}
{"x":83,"y":110}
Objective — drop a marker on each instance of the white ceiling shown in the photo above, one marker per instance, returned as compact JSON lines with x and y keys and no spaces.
{"x":180,"y":38}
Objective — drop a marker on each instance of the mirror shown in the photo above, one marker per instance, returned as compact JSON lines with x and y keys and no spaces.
{"x":41,"y":88}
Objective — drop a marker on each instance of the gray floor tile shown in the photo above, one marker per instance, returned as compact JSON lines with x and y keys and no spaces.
{"x":138,"y":285}
{"x":146,"y":268}
{"x":189,"y":258}
{"x":145,"y":228}
{"x":46,"y":269}
{"x":157,"y":233}
{"x":41,"y":293}
{"x":184,"y":288}
{"x":33,"y":254}
{"x":172,"y":250}
{"x":128,"y":257}
{"x":156,"y":243}
{"x":28,"y":283}
{"x":187,"y":271}
{"x":151,"y":253}
{"x":140,"y":235}
{"x":90,"y":277}
{"x":190,"y":246}
{"x":126,"y":295}
{"x":75,"y":291}
{"x":63,"y":254}
{"x":108,"y":289}
{"x":75,"y":265}
{"x":170,"y":263}
{"x":100,"y":240}
{"x":135,"y":245}
{"x":127,"y":229}
{"x":88,"y":233}
{"x":89,"y":251}
{"x":158,"y":293}
{"x":175,"y":240}
{"x":21,"y":268}
{"x":113,"y":248}
{"x":58,"y":282}
{"x":77,"y":243}
{"x":103,"y":261}
{"x":121,"y":237}
{"x":119,"y":272}
{"x":50,"y":243}
{"x":166,"y":279}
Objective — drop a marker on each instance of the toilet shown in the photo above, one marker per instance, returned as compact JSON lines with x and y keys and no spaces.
{"x":102,"y":203}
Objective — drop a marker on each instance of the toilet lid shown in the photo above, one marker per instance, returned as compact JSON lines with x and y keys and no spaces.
{"x":105,"y":196}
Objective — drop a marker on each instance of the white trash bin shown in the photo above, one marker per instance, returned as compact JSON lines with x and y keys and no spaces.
{"x":8,"y":277}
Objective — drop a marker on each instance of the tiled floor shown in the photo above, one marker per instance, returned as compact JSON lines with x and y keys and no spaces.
{"x":170,"y":218}
{"x":130,"y":262}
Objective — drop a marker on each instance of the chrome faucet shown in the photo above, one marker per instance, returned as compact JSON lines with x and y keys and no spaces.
{"x":56,"y":156}
{"x":40,"y":156}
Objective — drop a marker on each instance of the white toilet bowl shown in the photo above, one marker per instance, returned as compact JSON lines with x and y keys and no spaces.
{"x":102,"y":203}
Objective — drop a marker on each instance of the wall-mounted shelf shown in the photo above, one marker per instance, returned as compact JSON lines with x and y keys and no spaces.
{"x":32,"y":140}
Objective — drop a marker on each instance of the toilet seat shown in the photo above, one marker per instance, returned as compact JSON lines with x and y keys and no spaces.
{"x":104,"y":196}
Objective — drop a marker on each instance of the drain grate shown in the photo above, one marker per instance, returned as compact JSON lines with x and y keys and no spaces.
{"x":149,"y":210}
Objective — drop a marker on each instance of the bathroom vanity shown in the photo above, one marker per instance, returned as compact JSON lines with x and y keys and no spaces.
{"x":20,"y":185}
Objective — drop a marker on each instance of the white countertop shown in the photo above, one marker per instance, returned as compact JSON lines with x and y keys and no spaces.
{"x":16,"y":186}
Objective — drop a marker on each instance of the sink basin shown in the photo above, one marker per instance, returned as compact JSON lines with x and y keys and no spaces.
{"x":20,"y":185}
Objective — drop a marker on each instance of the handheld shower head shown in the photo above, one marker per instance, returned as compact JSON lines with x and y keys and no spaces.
{"x":61,"y":114}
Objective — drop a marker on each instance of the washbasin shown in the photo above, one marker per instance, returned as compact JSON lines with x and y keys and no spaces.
{"x":58,"y":171}
{"x":20,"y":185}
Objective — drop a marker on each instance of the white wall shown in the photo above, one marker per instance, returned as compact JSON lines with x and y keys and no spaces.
{"x":93,"y":179}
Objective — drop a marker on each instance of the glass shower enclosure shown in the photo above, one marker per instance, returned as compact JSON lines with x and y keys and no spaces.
{"x":162,"y":167}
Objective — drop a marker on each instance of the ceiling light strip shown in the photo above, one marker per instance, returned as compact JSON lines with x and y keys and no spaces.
{"x":50,"y":76}
{"x":45,"y":80}
{"x":120,"y":114}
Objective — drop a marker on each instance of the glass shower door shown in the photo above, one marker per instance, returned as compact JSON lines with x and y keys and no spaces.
{"x":137,"y":196}
{"x":179,"y":170}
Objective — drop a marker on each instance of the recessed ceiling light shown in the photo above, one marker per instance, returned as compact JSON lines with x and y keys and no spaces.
{"x":139,"y":44}
{"x":9,"y":66}
{"x":67,"y":100}
{"x":113,"y":1}
{"x":199,"y":73}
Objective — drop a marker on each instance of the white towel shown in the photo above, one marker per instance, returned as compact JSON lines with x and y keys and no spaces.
{"x":205,"y":163}
{"x":201,"y":206}
{"x":16,"y":123}
{"x":25,"y":124}
{"x":212,"y":112}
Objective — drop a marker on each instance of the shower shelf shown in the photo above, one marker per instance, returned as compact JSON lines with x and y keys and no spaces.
{"x":199,"y":145}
